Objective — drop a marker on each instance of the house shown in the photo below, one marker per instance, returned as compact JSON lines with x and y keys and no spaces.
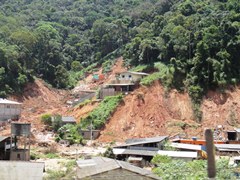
{"x":5,"y":142}
{"x":13,"y":170}
{"x":9,"y":110}
{"x":86,"y":134}
{"x":101,"y":168}
{"x":141,"y":147}
{"x":68,"y":120}
{"x":131,"y":76}
{"x":126,"y":81}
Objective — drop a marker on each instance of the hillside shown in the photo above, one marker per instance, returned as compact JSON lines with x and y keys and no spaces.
{"x":161,"y":113}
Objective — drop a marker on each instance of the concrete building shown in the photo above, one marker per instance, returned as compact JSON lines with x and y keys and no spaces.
{"x":131,"y":76}
{"x":126,"y":81}
{"x":86,"y":134}
{"x":5,"y":142}
{"x":9,"y":110}
{"x":100,"y":168}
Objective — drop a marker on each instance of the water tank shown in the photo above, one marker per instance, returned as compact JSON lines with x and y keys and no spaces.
{"x":21,"y":129}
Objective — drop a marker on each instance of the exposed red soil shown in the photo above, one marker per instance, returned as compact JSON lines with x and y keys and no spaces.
{"x":82,"y":112}
{"x":149,"y":112}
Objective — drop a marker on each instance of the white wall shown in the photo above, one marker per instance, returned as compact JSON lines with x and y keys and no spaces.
{"x":8,"y":111}
{"x":129,"y":76}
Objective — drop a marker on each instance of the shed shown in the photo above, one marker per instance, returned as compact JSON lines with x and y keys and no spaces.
{"x":9,"y":109}
{"x":100,"y":168}
{"x":5,"y":142}
{"x":153,"y":143}
{"x":68,"y":120}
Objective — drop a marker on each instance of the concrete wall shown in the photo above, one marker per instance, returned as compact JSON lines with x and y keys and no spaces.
{"x":131,"y":77}
{"x":9,"y":111}
{"x":20,"y":155}
{"x":17,"y":170}
{"x":118,"y":174}
{"x":87,"y":134}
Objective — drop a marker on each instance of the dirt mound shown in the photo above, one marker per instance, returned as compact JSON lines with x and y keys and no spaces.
{"x":39,"y":98}
{"x":82,"y":111}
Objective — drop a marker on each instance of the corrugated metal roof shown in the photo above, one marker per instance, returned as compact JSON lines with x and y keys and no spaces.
{"x":132,"y":142}
{"x":175,"y":154}
{"x":68,"y":119}
{"x":186,"y":146}
{"x":5,"y":101}
{"x":228,"y":147}
{"x":2,"y":138}
{"x":117,"y":151}
{"x":97,"y":165}
{"x":132,"y":72}
{"x":179,"y":154}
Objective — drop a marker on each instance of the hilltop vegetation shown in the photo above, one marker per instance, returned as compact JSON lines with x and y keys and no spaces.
{"x":197,"y":41}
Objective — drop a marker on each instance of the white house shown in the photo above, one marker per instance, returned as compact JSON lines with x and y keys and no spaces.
{"x":131,"y":76}
{"x":9,"y":109}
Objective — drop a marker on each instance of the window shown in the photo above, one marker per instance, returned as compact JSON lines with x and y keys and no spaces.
{"x":130,"y":76}
{"x":8,"y":106}
{"x":123,"y":76}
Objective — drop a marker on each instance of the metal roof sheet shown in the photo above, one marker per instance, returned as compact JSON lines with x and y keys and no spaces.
{"x":132,"y":72}
{"x":179,"y":154}
{"x":2,"y":138}
{"x":186,"y":146}
{"x":132,"y":142}
{"x":99,"y":165}
{"x":117,"y":151}
{"x":228,"y":147}
{"x":5,"y":101}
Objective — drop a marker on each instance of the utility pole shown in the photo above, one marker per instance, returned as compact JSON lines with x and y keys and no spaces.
{"x":91,"y":132}
{"x":211,"y":166}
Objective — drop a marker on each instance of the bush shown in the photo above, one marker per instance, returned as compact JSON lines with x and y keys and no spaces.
{"x":70,"y":133}
{"x":168,"y":168}
{"x":165,"y":74}
{"x":101,"y":114}
{"x":57,"y":122}
{"x":46,"y":119}
{"x":109,"y":153}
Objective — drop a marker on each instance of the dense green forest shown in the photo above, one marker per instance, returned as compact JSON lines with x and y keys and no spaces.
{"x":198,"y":40}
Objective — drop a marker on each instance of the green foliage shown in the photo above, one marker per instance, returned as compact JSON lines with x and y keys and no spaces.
{"x":107,"y":65}
{"x":70,"y":133}
{"x":168,"y":168}
{"x":141,"y":68}
{"x":102,"y":113}
{"x":60,"y":173}
{"x":56,"y":122}
{"x":46,"y":119}
{"x":197,"y":41}
{"x":109,"y":153}
{"x":76,"y":66}
{"x":164,"y":74}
